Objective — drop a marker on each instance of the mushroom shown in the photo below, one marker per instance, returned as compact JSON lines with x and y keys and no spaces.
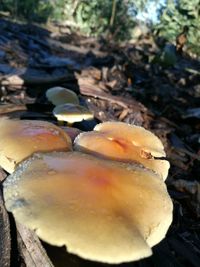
{"x":72,"y":113}
{"x":60,"y":95}
{"x":101,"y":210}
{"x":124,"y":142}
{"x":21,"y":138}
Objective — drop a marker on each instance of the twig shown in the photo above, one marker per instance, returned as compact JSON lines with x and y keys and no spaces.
{"x":114,"y":4}
{"x":5,"y":240}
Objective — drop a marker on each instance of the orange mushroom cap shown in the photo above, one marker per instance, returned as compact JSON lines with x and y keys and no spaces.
{"x":101,"y":210}
{"x":21,"y":138}
{"x":124,"y":142}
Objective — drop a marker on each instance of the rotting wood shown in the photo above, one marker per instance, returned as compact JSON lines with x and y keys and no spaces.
{"x":39,"y":79}
{"x":89,"y":89}
{"x":31,"y":248}
{"x":123,"y":102}
{"x":8,"y":108}
{"x":2,"y":175}
{"x":5,"y":239}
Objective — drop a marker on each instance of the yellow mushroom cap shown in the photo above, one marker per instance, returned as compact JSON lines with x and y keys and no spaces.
{"x":124,"y":142}
{"x":21,"y":138}
{"x":72,"y":113}
{"x":60,"y":95}
{"x":101,"y":210}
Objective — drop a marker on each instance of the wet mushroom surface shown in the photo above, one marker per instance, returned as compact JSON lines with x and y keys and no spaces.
{"x":126,"y":143}
{"x":19,"y":139}
{"x":101,"y":210}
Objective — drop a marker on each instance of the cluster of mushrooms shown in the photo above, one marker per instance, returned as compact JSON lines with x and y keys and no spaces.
{"x":67,"y":106}
{"x":102,"y":195}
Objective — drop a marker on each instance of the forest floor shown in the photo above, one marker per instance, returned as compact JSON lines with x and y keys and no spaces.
{"x":116,"y":83}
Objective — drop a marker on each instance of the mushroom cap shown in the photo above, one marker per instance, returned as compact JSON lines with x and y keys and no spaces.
{"x":60,"y":95}
{"x":101,"y":210}
{"x":124,"y":142}
{"x":21,"y":138}
{"x":139,"y":136}
{"x":72,"y":113}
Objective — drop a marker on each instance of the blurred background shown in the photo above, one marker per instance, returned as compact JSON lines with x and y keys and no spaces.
{"x":121,"y":19}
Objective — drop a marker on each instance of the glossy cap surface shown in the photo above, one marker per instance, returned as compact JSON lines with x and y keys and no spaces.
{"x":124,"y":142}
{"x":101,"y":210}
{"x":19,"y":139}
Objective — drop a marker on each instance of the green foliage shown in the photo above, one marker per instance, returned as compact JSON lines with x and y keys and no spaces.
{"x":31,"y":10}
{"x":63,"y":9}
{"x":99,"y":16}
{"x":167,"y":56}
{"x":93,"y":16}
{"x":114,"y":18}
{"x":175,"y":15}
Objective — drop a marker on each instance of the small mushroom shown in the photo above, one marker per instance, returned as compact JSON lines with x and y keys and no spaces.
{"x":21,"y":138}
{"x":72,"y":113}
{"x":124,"y":142}
{"x":101,"y":210}
{"x":60,"y":95}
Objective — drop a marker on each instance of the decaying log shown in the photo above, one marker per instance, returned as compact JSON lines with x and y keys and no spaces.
{"x":9,"y":108}
{"x":5,"y":240}
{"x":31,"y":248}
{"x":35,"y":77}
{"x":96,"y":92}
